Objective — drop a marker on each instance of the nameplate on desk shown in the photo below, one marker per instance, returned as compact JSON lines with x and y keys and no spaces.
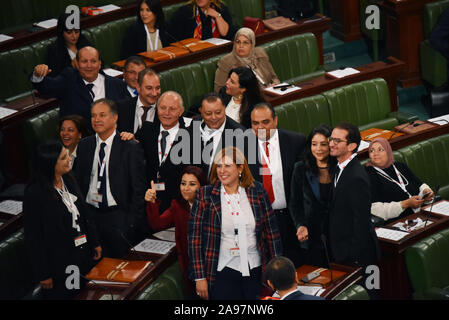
{"x":281,"y":89}
{"x":390,"y":234}
{"x":154,"y":246}
{"x":47,"y":24}
{"x":441,"y":207}
{"x":337,"y":74}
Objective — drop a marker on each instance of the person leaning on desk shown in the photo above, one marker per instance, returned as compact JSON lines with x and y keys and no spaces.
{"x":246,"y":54}
{"x":395,"y":189}
{"x":58,"y":232}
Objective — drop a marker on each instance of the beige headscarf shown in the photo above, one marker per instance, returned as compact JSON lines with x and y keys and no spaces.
{"x":387,"y":147}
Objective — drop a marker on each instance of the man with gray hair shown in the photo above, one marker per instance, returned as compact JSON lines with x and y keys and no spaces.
{"x":157,"y":139}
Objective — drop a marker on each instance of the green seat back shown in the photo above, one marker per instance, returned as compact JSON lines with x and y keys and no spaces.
{"x":169,"y":11}
{"x":241,"y":9}
{"x":427,"y":263}
{"x":354,"y":292}
{"x":304,"y":114}
{"x":431,"y":14}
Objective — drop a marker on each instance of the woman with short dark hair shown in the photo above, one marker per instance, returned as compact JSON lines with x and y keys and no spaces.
{"x":71,"y":130}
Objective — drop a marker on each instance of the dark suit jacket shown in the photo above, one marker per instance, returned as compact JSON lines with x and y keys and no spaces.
{"x":298,"y":295}
{"x":49,"y":233}
{"x":135,"y":40}
{"x":73,"y":95}
{"x":170,"y":173}
{"x":439,"y":38}
{"x":353,"y":240}
{"x":291,"y":145}
{"x":196,"y":142}
{"x":126,"y":181}
{"x":127,"y":113}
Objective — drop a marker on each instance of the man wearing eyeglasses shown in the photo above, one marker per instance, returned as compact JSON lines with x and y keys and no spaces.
{"x":351,"y":233}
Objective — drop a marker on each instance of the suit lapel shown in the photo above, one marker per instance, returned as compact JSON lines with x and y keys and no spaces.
{"x":215,"y":198}
{"x":285,"y":156}
{"x":114,"y":160}
{"x":82,"y":89}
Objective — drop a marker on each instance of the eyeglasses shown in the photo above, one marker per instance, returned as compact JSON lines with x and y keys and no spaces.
{"x":244,"y":43}
{"x":336,"y":140}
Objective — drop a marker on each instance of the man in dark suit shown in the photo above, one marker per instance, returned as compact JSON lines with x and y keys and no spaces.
{"x":109,"y":173}
{"x":213,"y":132}
{"x":353,"y":240}
{"x":158,"y":140}
{"x":77,"y":89}
{"x":281,"y":276}
{"x":133,"y":112}
{"x":133,"y":65}
{"x":439,"y":38}
{"x":277,"y":152}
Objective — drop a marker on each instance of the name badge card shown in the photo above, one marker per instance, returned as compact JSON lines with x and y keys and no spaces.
{"x":80,"y":240}
{"x":159,"y":186}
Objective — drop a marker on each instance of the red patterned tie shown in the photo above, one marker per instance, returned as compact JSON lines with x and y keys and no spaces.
{"x":266,"y":177}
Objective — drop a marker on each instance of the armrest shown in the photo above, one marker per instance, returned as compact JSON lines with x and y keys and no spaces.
{"x":402,"y":117}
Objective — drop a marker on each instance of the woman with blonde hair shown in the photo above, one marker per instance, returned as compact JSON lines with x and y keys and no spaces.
{"x":232,"y":232}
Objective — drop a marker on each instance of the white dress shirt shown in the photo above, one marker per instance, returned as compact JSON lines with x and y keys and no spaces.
{"x":233,"y":110}
{"x":94,"y":174}
{"x":172,"y":132}
{"x":98,"y":88}
{"x":207,"y":133}
{"x":139,"y":112}
{"x":131,"y":91}
{"x":275,"y":166}
{"x":342,"y":166}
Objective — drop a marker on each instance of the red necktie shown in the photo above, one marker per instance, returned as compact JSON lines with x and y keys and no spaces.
{"x":266,"y":177}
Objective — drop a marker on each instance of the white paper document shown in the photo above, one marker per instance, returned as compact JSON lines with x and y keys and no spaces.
{"x":440,"y":208}
{"x":112,"y":72}
{"x":217,"y":41}
{"x":310,"y":290}
{"x":442,"y":120}
{"x":109,"y":8}
{"x":11,"y":207}
{"x":343,"y":73}
{"x":5,"y":112}
{"x":154,"y":246}
{"x":282,"y":91}
{"x":4,"y":37}
{"x":47,"y":24}
{"x":412,"y":225}
{"x":390,"y":234}
{"x":166,"y":235}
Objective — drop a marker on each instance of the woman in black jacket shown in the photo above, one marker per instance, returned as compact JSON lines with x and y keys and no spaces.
{"x":59,"y":236}
{"x":62,"y":52}
{"x":148,"y":32}
{"x":311,"y":195}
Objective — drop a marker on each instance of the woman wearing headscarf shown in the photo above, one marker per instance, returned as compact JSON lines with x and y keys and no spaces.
{"x":246,"y":54}
{"x":395,"y":190}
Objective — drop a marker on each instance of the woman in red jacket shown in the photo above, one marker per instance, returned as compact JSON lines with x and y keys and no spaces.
{"x":192,"y":178}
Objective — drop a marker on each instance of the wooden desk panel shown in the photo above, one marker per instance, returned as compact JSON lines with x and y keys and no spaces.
{"x":390,"y":71}
{"x":394,"y":280}
{"x":345,"y":15}
{"x":404,"y":32}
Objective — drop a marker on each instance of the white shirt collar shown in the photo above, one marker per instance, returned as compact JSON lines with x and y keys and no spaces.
{"x":345,"y":163}
{"x":172,"y":131}
{"x":97,"y":82}
{"x":108,"y":140}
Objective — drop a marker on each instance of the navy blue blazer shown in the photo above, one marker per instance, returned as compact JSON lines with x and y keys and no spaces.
{"x":298,"y":295}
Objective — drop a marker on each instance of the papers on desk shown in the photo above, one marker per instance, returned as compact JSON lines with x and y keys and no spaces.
{"x":11,"y":207}
{"x":412,"y":225}
{"x":390,"y":234}
{"x":343,"y":73}
{"x":442,"y":120}
{"x":440,"y":208}
{"x":47,"y":24}
{"x":4,"y":37}
{"x":310,"y":290}
{"x":217,"y":41}
{"x":108,"y":296}
{"x":154,"y":246}
{"x":112,"y":72}
{"x":363,"y":145}
{"x":167,"y":235}
{"x":5,"y":112}
{"x":109,"y":8}
{"x":281,"y":91}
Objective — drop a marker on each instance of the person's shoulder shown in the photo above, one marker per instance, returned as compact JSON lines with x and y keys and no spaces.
{"x":299,"y":165}
{"x":295,"y":136}
{"x":227,"y":59}
{"x":260,"y":52}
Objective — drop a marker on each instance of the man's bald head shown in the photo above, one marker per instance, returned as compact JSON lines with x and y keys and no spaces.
{"x":89,"y":63}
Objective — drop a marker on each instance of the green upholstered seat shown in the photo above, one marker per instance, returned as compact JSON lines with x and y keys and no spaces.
{"x":16,"y":278}
{"x":241,"y":9}
{"x":375,"y":35}
{"x":168,"y":286}
{"x":354,"y":292}
{"x":433,"y":63}
{"x":427,"y":264}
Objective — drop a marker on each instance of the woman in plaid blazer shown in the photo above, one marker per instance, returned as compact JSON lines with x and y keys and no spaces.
{"x":232,"y":232}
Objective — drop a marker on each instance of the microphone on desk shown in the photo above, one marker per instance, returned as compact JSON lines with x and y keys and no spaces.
{"x":99,"y":286}
{"x":131,"y":247}
{"x":437,"y":189}
{"x":323,"y":239}
{"x":396,"y":130}
{"x":33,"y":97}
{"x":176,"y":40}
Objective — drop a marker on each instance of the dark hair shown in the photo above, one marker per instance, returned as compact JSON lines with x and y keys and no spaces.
{"x":61,"y":27}
{"x":353,"y":135}
{"x":111,"y":104}
{"x":211,"y":97}
{"x":80,"y":124}
{"x":143,"y":73}
{"x":155,"y":7}
{"x":136,"y":60}
{"x":251,"y":96}
{"x":199,"y":174}
{"x":263,"y":105}
{"x":281,"y":272}
{"x":309,"y":159}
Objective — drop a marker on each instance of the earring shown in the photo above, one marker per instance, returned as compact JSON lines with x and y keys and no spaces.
{"x":240,"y":175}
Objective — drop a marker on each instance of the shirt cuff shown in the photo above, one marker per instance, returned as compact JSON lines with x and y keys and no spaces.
{"x":35,"y":79}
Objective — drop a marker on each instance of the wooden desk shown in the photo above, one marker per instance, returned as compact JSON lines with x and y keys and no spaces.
{"x":352,"y":276}
{"x":390,"y":71}
{"x":409,"y":139}
{"x":345,"y":15}
{"x":394,"y":280}
{"x":317,"y":26}
{"x":9,"y":224}
{"x":404,"y":32}
{"x":129,"y":292}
